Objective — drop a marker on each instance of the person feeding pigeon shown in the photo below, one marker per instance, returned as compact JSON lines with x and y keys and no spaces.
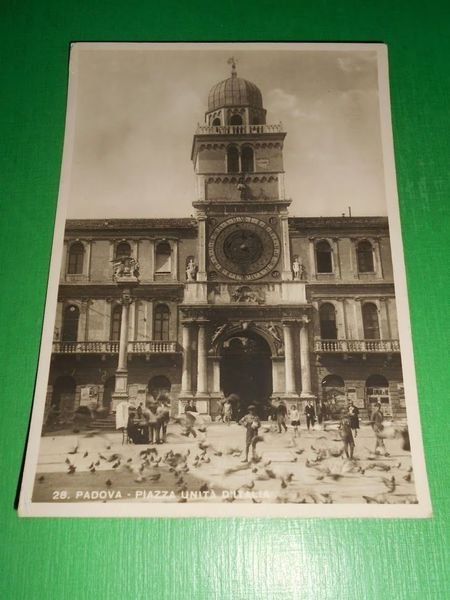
{"x":251,"y":423}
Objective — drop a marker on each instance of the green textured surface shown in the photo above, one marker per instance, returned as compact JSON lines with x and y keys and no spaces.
{"x":229,"y":558}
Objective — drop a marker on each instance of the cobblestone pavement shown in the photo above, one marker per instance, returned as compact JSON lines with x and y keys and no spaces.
{"x":309,"y":468}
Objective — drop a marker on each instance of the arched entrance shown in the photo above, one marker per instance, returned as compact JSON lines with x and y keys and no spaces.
{"x":246,"y":370}
{"x":63,"y":398}
{"x":158,"y":385}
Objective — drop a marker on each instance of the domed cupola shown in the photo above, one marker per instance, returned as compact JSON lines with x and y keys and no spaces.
{"x":235,"y":101}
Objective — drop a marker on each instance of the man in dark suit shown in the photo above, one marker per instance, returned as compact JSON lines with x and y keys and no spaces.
{"x":281,"y":412}
{"x":310,"y":414}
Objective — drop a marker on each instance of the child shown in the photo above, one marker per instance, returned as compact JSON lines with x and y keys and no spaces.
{"x":252,"y":423}
{"x":346,"y":434}
{"x":294,"y":417}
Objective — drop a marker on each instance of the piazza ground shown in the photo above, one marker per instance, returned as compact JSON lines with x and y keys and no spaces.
{"x":303,"y":469}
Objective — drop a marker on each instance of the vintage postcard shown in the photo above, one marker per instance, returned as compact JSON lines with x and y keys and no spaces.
{"x":227,"y":328}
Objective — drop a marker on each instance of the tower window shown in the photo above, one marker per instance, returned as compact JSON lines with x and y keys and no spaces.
{"x":232,"y":160}
{"x":116,"y":319}
{"x":70,"y":324}
{"x":163,"y":262}
{"x":327,"y":315}
{"x":324,"y":257}
{"x":370,"y":321}
{"x":161,"y":322}
{"x":236,"y":120}
{"x":364,"y":253}
{"x":216,"y":122}
{"x":123,"y":250}
{"x":76,"y":259}
{"x":247,"y":159}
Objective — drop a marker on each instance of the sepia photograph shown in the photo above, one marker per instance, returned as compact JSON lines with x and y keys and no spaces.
{"x":227,"y":327}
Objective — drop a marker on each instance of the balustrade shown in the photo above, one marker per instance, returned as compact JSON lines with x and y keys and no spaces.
{"x":357,"y":346}
{"x":108,"y":347}
{"x":238,"y":129}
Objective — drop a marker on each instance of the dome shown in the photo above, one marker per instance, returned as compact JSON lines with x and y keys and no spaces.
{"x":234,"y":91}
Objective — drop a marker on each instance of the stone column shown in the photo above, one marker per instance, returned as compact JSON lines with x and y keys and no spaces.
{"x":289,"y":359}
{"x":216,"y":376}
{"x":286,"y":251}
{"x":201,"y":274}
{"x":186,"y":377}
{"x":304,"y":359}
{"x":378,"y":264}
{"x":121,"y":383}
{"x":312,"y":259}
{"x":124,"y":326}
{"x":202,"y":372}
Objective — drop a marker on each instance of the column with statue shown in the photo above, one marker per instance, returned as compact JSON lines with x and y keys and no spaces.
{"x":126,"y":276}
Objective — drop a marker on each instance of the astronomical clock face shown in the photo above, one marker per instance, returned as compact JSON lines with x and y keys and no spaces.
{"x":244,"y":248}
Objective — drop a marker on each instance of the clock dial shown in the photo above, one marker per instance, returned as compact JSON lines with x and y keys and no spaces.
{"x":244,"y":248}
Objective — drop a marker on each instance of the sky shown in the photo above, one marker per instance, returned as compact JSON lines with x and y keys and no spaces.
{"x":137,"y":110}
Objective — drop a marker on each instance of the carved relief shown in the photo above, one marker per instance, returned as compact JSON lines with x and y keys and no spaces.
{"x":243,"y":293}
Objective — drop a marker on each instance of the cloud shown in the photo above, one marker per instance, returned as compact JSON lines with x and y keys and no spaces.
{"x":287,"y":106}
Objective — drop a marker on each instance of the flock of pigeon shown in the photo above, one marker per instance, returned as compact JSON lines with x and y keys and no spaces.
{"x":200,"y":470}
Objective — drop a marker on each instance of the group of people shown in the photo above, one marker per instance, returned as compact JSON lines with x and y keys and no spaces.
{"x":148,"y":424}
{"x":281,"y":415}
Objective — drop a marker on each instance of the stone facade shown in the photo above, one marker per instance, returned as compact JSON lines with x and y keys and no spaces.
{"x":242,"y":298}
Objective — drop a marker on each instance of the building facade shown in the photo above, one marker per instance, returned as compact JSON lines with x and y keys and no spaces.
{"x":241,"y":298}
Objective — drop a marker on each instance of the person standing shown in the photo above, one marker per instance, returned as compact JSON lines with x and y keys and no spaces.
{"x":294,"y":417}
{"x":164,"y":411}
{"x":251,"y":423}
{"x":345,"y":431}
{"x":310,"y":414}
{"x":153,"y":418}
{"x":281,"y":412}
{"x":227,"y":411}
{"x":378,"y":426}
{"x":353,"y":414}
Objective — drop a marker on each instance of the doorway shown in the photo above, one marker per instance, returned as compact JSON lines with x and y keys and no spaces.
{"x":246,"y":370}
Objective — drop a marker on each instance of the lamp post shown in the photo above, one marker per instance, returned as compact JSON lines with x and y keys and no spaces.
{"x":126,"y":273}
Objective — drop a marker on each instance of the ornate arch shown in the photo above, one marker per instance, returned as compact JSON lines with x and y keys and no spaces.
{"x":226,"y":331}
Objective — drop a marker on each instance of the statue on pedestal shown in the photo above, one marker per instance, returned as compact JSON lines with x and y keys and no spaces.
{"x":191,"y":270}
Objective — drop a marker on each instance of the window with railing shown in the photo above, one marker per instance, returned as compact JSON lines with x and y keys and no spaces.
{"x":327,"y":316}
{"x":161,"y":322}
{"x":371,"y":324}
{"x":71,"y":317}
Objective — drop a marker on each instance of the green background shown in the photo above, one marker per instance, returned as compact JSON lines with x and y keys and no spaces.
{"x":221,"y":558}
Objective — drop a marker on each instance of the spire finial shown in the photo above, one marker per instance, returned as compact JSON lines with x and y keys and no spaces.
{"x":231,"y":61}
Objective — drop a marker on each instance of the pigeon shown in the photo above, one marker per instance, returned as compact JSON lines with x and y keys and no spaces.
{"x":390,"y":484}
{"x":248,"y":486}
{"x":108,"y":482}
{"x":71,"y":470}
{"x":380,"y":499}
{"x":41,"y":478}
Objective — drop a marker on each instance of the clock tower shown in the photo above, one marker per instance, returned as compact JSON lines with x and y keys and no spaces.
{"x":244,"y":314}
{"x":241,"y":204}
